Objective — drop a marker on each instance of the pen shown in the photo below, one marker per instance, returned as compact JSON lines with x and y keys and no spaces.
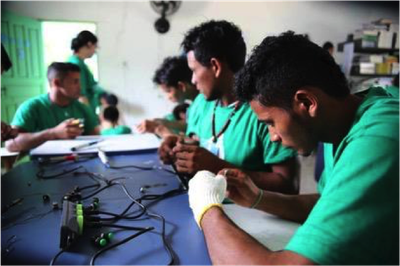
{"x":84,"y":145}
{"x":71,"y":157}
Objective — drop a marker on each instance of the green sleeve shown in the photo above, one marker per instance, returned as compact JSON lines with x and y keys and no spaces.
{"x":86,"y":77}
{"x":193,"y":115}
{"x":356,"y":220}
{"x":170,"y":117}
{"x":25,"y":118}
{"x":274,"y":152}
{"x":127,"y":130}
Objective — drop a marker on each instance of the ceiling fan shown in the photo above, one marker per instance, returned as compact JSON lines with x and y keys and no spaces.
{"x":164,"y":8}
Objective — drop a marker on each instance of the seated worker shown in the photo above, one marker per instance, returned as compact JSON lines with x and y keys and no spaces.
{"x":109,"y":122}
{"x":174,"y":78}
{"x":297,"y":89}
{"x":228,"y":131}
{"x":53,"y":115}
{"x":7,"y":132}
{"x":179,"y":114}
{"x":106,"y":99}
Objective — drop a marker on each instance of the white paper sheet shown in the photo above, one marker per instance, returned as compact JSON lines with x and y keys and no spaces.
{"x":120,"y":143}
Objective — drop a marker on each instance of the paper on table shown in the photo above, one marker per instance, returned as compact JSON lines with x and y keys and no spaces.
{"x":120,"y":143}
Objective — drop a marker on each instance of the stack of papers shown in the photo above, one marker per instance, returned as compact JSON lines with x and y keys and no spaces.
{"x":109,"y":144}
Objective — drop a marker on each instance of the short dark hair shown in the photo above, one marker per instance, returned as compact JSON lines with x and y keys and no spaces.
{"x":111,"y":114}
{"x":173,"y":70}
{"x":5,"y":59}
{"x":112,"y":99}
{"x":280,"y":65}
{"x":180,"y":108}
{"x":327,"y":45}
{"x":60,"y":70}
{"x":216,"y":39}
{"x":83,"y":38}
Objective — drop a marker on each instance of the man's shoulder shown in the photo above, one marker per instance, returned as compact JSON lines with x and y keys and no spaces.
{"x":200,"y":105}
{"x":40,"y":101}
{"x":378,"y":116}
{"x":200,"y":100}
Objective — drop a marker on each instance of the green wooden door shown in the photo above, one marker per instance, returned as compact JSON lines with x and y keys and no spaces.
{"x":22,"y":38}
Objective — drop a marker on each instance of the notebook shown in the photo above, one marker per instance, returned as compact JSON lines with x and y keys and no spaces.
{"x":109,"y":144}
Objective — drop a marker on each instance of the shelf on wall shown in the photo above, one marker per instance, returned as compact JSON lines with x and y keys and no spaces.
{"x":359,"y":49}
{"x":373,"y":75}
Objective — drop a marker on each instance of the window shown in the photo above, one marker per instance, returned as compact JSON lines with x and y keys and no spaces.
{"x":57,"y":37}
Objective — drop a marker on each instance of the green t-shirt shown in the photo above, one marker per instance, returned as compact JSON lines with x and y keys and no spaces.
{"x":118,"y":130}
{"x":89,"y":87}
{"x":393,"y":91}
{"x":245,"y":143}
{"x":40,"y":113}
{"x":86,"y":77}
{"x":170,"y":117}
{"x":356,"y":220}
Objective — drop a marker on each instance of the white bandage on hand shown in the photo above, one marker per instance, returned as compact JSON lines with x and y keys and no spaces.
{"x":205,"y":191}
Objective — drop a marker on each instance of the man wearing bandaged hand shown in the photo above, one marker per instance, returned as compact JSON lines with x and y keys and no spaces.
{"x":297,"y":89}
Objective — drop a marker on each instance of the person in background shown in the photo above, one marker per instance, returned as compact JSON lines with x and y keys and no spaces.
{"x":109,"y":122}
{"x":174,"y":79}
{"x":296,"y":88}
{"x":180,"y":111}
{"x":329,"y":47}
{"x":7,"y":132}
{"x":229,"y":132}
{"x":394,"y":88}
{"x":179,"y":114}
{"x":84,"y":46}
{"x":56,"y":115}
{"x":107,"y":99}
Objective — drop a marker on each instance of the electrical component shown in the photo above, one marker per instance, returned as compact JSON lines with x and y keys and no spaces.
{"x":71,"y":223}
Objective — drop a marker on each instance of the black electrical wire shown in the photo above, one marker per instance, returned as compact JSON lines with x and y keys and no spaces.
{"x":167,"y":246}
{"x":145,"y":168}
{"x":53,"y":260}
{"x":143,"y":210}
{"x":122,"y":226}
{"x":40,"y":173}
{"x":98,"y":253}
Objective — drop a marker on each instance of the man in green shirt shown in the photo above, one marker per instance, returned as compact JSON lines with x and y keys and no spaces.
{"x":228,"y":131}
{"x":7,"y":132}
{"x":297,"y":89}
{"x":56,"y":115}
{"x":174,"y":79}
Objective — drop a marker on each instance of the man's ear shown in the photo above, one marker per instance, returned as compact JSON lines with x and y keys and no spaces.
{"x":56,"y":82}
{"x":182,"y":86}
{"x":216,"y":66}
{"x":306,"y":101}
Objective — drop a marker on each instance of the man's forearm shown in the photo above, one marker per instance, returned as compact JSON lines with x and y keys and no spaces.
{"x":27,"y":141}
{"x":290,"y":207}
{"x":228,"y":244}
{"x":274,"y":182}
{"x":224,"y":240}
{"x":175,"y":125}
{"x":284,"y":177}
